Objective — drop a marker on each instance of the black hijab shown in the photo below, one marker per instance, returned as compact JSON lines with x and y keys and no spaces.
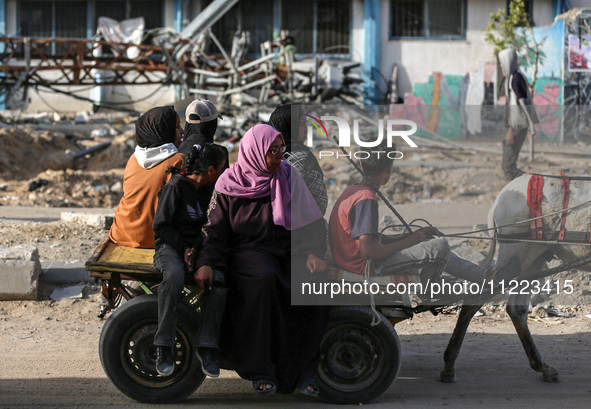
{"x":156,"y":127}
{"x":282,"y":120}
{"x":205,"y":129}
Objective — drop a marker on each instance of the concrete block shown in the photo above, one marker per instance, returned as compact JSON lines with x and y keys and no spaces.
{"x":97,"y":220}
{"x":64,"y":272}
{"x":19,"y":272}
{"x":77,"y":291}
{"x":27,"y":253}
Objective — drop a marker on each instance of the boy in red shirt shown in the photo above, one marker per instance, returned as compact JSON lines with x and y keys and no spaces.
{"x":355,"y":239}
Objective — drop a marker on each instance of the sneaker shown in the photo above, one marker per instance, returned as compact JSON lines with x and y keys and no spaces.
{"x":164,"y":361}
{"x":209,"y":363}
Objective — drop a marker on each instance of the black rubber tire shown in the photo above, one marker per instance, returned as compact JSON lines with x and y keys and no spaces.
{"x":358,"y":362}
{"x":128,"y":354}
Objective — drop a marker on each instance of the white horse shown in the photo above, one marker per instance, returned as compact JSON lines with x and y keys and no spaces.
{"x":509,"y":209}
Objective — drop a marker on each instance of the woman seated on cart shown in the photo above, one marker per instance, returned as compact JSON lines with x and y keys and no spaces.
{"x":261,"y":216}
{"x":158,"y":135}
{"x":181,"y":213}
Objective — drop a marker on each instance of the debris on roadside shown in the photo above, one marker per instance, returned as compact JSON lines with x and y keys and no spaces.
{"x":76,"y":291}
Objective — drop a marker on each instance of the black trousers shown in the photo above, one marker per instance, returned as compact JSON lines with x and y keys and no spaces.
{"x":511,"y":153}
{"x":172,"y":266}
{"x":212,"y":312}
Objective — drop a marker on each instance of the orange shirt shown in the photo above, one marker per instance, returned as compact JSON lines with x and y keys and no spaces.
{"x":132,"y":224}
{"x":345,"y":248}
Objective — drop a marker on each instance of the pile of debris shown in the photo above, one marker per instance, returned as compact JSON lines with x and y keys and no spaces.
{"x":25,"y":153}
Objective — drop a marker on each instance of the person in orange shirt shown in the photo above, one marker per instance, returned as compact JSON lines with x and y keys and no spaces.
{"x":158,"y":135}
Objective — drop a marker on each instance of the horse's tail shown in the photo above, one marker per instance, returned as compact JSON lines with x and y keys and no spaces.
{"x":487,"y":262}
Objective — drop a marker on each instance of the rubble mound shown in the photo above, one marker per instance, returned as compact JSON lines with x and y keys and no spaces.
{"x":114,"y":156}
{"x":66,"y":188}
{"x":25,"y":153}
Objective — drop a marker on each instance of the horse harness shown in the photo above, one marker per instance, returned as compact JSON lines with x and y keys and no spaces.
{"x":534,"y":199}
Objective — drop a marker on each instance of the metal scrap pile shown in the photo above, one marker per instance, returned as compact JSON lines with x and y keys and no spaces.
{"x":123,"y":54}
{"x":230,"y":78}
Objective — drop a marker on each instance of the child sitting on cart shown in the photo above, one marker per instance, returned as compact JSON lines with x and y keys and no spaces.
{"x":355,"y":239}
{"x":181,"y":213}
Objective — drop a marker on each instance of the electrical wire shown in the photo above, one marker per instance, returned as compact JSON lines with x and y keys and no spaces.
{"x":110,"y":104}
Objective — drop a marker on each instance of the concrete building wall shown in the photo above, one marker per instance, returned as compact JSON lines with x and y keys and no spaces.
{"x":543,"y":13}
{"x":358,"y":35}
{"x":579,"y":3}
{"x":418,"y":59}
{"x":11,"y":27}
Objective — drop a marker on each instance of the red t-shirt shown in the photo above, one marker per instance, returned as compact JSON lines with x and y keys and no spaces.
{"x":354,"y":214}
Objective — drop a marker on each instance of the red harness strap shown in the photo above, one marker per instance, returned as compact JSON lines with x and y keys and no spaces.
{"x":534,"y":202}
{"x":565,"y":197}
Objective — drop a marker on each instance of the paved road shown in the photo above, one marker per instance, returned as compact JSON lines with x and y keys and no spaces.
{"x":449,"y":217}
{"x":44,"y":214}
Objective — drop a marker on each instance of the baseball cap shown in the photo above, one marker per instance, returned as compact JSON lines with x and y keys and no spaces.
{"x":201,"y":110}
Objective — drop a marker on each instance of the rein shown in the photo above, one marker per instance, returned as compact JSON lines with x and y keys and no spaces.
{"x":516,"y":239}
{"x":562,"y":176}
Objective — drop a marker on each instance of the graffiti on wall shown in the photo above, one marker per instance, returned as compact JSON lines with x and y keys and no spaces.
{"x":467,"y":106}
{"x":577,"y":82}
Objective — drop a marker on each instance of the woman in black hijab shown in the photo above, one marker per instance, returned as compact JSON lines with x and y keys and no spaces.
{"x":158,"y":135}
{"x":291,"y":118}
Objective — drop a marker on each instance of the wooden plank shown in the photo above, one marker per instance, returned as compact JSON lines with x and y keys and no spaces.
{"x":99,"y":266}
{"x":100,"y":248}
{"x":127,"y":255}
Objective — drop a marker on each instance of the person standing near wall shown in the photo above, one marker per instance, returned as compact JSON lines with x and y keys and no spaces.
{"x":520,"y":116}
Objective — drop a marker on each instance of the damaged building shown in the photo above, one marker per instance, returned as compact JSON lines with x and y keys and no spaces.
{"x":263,"y":51}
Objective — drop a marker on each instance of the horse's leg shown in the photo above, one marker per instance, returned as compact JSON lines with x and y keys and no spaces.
{"x":517,"y":309}
{"x":452,"y":351}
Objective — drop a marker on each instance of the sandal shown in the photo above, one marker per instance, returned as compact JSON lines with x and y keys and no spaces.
{"x":262,"y":382}
{"x":309,"y":388}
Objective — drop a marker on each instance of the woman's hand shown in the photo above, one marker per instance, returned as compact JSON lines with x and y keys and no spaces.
{"x":190,"y":258}
{"x":204,"y":277}
{"x":315,"y":264}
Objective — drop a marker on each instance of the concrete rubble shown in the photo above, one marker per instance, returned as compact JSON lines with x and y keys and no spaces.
{"x":20,"y":269}
{"x":77,"y":291}
{"x":96,"y":220}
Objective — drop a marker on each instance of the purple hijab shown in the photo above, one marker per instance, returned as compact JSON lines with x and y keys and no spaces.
{"x":293,"y":205}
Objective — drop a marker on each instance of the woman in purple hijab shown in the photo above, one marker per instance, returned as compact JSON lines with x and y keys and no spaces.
{"x":262,"y":223}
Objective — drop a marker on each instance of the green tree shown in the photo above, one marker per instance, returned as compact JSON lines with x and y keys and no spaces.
{"x":514,"y":30}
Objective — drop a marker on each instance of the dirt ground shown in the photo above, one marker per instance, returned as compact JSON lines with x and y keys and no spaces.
{"x":50,"y":359}
{"x":49,"y":348}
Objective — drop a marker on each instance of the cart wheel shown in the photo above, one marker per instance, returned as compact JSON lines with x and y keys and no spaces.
{"x":358,"y":362}
{"x":128,"y":353}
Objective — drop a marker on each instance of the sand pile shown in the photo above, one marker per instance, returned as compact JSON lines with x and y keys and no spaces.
{"x":25,"y":153}
{"x":113,"y":157}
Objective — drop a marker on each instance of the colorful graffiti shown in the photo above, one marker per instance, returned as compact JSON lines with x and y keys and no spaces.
{"x":457,"y":106}
{"x":577,"y":83}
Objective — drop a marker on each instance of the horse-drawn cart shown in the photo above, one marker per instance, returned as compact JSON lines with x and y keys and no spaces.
{"x":360,"y":351}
